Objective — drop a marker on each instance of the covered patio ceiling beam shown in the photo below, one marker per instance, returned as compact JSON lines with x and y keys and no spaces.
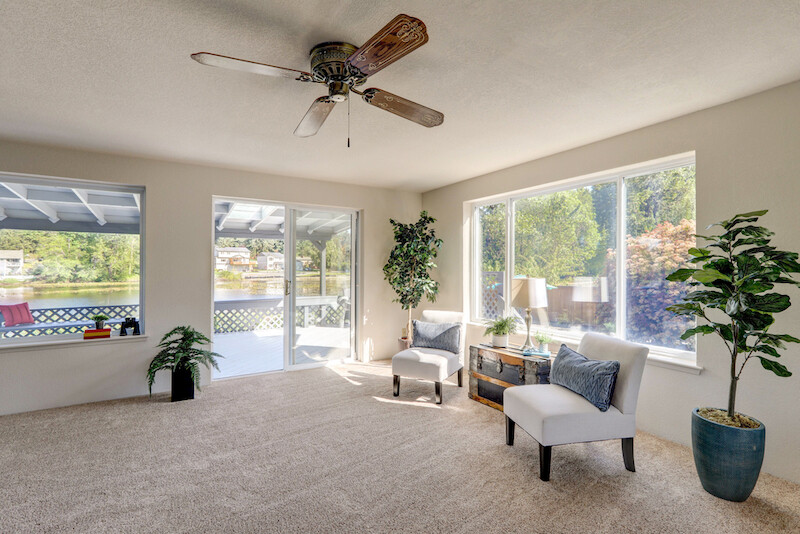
{"x":282,"y":226}
{"x":83,"y":196}
{"x":221,"y":223}
{"x":68,"y":197}
{"x":314,"y":228}
{"x":266,"y":212}
{"x":341,"y":227}
{"x":22,"y":192}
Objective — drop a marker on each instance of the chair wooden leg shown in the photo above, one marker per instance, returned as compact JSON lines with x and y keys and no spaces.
{"x":461,"y":377}
{"x":544,"y":461}
{"x":510,"y":426}
{"x":627,"y":454}
{"x":396,"y":388}
{"x":438,"y":390}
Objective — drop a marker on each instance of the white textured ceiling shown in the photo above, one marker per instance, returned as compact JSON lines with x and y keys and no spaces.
{"x":516,"y":80}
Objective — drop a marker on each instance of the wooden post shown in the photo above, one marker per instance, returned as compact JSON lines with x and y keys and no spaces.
{"x":322,"y":281}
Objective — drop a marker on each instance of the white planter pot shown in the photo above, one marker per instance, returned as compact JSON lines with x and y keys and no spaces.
{"x":499,"y":341}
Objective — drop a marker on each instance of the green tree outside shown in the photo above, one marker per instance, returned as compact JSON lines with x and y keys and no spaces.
{"x":75,"y":256}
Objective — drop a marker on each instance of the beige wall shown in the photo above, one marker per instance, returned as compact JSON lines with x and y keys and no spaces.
{"x":748,"y":157}
{"x":178,"y":251}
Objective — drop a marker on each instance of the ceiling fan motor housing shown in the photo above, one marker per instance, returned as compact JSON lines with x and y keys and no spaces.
{"x":328,"y":66}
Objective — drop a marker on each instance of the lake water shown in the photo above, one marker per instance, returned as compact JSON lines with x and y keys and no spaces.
{"x":39,"y":297}
{"x":260,"y":288}
{"x":42,"y":297}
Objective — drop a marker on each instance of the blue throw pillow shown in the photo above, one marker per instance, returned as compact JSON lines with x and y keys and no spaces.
{"x":443,"y":336}
{"x":594,"y":380}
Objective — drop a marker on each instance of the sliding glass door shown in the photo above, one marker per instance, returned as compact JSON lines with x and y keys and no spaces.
{"x":284,"y":286}
{"x":322,"y":287}
{"x":249,"y":274}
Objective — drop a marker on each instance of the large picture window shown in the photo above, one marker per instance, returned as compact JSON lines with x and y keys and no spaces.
{"x":69,"y":251}
{"x":603,"y":248}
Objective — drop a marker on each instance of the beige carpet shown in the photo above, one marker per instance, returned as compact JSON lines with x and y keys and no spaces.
{"x":330,"y":450}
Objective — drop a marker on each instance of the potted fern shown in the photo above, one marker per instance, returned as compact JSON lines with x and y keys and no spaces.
{"x":408,"y":269}
{"x":181,"y":353}
{"x":732,"y":294}
{"x":499,"y":329}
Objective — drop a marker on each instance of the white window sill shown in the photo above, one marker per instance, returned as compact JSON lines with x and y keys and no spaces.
{"x":657,"y":357}
{"x":64,"y":341}
{"x":676,"y":364}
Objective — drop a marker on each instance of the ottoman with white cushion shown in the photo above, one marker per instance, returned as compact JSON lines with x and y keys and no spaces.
{"x":425,"y":363}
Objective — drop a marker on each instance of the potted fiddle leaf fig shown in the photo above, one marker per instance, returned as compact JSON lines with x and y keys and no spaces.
{"x":500,"y":328}
{"x":181,"y":353}
{"x":408,"y":269}
{"x":733,"y":293}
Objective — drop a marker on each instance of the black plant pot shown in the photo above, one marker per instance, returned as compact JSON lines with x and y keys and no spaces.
{"x":182,"y":384}
{"x":728,"y":459}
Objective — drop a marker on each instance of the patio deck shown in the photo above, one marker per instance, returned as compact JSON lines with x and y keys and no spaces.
{"x":261,"y":351}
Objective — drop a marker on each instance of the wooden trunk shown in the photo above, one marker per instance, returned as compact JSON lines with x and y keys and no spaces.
{"x":492,"y":370}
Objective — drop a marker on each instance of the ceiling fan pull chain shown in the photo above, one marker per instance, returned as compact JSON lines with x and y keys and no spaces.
{"x":348,"y":122}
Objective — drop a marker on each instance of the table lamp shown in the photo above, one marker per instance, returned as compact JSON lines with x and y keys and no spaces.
{"x":528,"y":293}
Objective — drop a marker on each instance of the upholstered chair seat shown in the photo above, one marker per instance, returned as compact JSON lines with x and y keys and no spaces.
{"x":555,"y":415}
{"x":432,"y":364}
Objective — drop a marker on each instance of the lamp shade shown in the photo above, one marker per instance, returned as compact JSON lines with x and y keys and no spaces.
{"x":528,"y":293}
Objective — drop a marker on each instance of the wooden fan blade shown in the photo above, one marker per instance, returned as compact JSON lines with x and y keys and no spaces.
{"x":315,"y":117}
{"x":216,"y":60}
{"x":403,"y":107}
{"x":402,"y":35}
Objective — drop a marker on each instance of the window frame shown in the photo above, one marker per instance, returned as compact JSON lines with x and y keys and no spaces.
{"x":619,"y":178}
{"x":95,"y":186}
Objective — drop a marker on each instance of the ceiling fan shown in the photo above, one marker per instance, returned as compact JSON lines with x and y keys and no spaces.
{"x":343,"y":67}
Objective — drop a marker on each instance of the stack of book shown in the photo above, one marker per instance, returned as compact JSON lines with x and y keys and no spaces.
{"x":97,"y":334}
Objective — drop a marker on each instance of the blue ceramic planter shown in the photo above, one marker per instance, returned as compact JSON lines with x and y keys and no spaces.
{"x":728,"y":459}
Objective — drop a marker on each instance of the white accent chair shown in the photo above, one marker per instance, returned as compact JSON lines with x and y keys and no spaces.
{"x":554,"y":415}
{"x":431,"y":364}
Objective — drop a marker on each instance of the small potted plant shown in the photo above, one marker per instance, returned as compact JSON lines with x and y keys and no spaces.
{"x":732,"y":284}
{"x":100,"y":321}
{"x":500,"y":329}
{"x":543,"y":339}
{"x":181,"y":354}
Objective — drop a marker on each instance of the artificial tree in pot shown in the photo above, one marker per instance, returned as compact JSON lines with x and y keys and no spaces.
{"x":408,"y":269}
{"x":732,"y":294}
{"x":181,"y":353}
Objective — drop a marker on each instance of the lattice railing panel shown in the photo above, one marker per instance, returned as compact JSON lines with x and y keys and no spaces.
{"x":492,"y":303}
{"x":83,"y":313}
{"x":246,"y":319}
{"x":73,"y":314}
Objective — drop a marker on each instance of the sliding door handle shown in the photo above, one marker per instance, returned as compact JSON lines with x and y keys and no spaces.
{"x":287,"y":287}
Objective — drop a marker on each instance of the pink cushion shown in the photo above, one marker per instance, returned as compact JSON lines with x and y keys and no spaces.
{"x":15,"y":314}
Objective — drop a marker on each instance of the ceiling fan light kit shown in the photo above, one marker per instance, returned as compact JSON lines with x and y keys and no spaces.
{"x":343,"y":67}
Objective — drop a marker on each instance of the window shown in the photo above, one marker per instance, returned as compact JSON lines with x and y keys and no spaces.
{"x":567,"y":238}
{"x":603,"y":247}
{"x":69,"y":250}
{"x":660,"y":227}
